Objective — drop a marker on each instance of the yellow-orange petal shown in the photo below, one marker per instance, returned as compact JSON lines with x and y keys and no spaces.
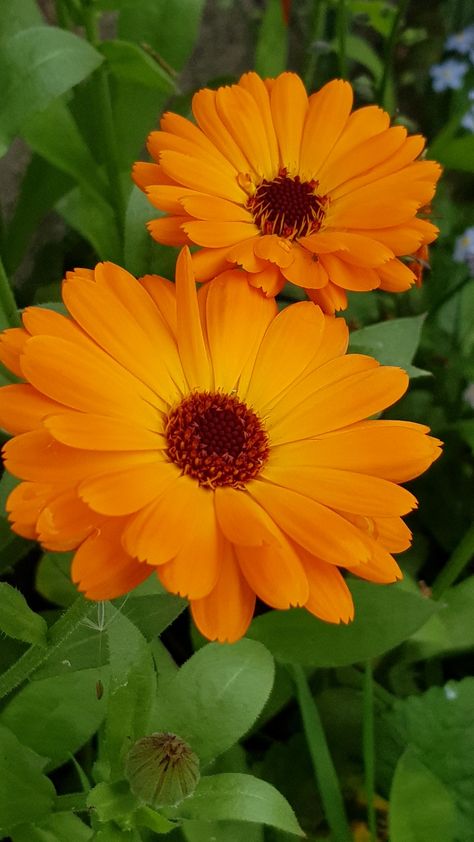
{"x":207,"y":263}
{"x":145,"y":174}
{"x":78,"y":429}
{"x":218,"y":233}
{"x":202,"y":176}
{"x":241,"y":115}
{"x":65,"y":521}
{"x":297,"y":329}
{"x":23,"y":408}
{"x":161,"y":141}
{"x":101,"y":569}
{"x":225,"y":613}
{"x":232,"y":303}
{"x":329,"y":597}
{"x":274,"y":572}
{"x":274,"y":248}
{"x":194,"y":571}
{"x":167,"y":197}
{"x":330,"y":298}
{"x":270,"y":280}
{"x":214,"y":208}
{"x":42,"y":322}
{"x":163,"y":294}
{"x":365,"y":158}
{"x":357,"y":249}
{"x":125,"y":491}
{"x":327,"y":116}
{"x":392,"y":533}
{"x":381,"y":567}
{"x":168,"y":230}
{"x":289,"y":104}
{"x":256,"y":87}
{"x":205,"y":112}
{"x":191,"y":344}
{"x":12,"y":342}
{"x":25,"y":503}
{"x":242,"y":520}
{"x":315,"y":527}
{"x":243,"y":254}
{"x":348,"y":276}
{"x":361,"y":125}
{"x":395,"y":276}
{"x":306,"y":270}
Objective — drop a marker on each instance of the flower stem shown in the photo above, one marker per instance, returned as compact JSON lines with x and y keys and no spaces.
{"x":390,"y":51}
{"x":7,"y":300}
{"x":321,"y":759}
{"x":106,"y":117}
{"x":319,"y":17}
{"x":368,"y":748}
{"x":453,"y":568}
{"x":36,"y":655}
{"x":341,"y":37}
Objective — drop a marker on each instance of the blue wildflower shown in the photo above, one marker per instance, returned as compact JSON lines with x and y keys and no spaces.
{"x":467,"y":121}
{"x":464,"y":247}
{"x":449,"y":74}
{"x":461,"y":42}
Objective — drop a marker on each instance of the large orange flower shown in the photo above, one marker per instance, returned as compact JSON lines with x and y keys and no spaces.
{"x":291,"y":188}
{"x":153,"y":432}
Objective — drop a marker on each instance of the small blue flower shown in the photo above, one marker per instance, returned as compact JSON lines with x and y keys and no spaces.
{"x":449,"y":74}
{"x":467,"y":121}
{"x":461,"y":42}
{"x":464,"y":247}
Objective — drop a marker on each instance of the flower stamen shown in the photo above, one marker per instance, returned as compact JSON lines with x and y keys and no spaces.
{"x":288,"y":206}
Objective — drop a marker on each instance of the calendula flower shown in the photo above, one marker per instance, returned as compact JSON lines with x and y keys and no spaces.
{"x":210,"y":438}
{"x":291,"y":188}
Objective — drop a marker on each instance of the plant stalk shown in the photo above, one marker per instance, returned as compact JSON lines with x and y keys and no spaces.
{"x":7,"y":300}
{"x":455,"y":565}
{"x":390,"y":50}
{"x":368,"y":749}
{"x":342,"y":37}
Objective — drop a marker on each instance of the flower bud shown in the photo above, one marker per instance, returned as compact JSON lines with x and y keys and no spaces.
{"x":162,"y":770}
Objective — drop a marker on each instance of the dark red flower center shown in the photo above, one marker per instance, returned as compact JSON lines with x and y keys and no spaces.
{"x":216,"y":439}
{"x":288,"y":206}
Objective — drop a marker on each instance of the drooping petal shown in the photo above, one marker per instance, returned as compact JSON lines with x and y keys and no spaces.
{"x":329,"y":597}
{"x":275,"y":573}
{"x":191,"y":344}
{"x":102,"y":569}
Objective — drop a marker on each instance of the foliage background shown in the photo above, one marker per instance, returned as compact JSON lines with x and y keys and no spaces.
{"x":393,"y":692}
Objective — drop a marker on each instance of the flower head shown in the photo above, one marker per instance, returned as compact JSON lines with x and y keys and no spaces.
{"x":291,"y":188}
{"x":464,"y":248}
{"x":467,"y":121}
{"x":461,"y":42}
{"x":209,"y":438}
{"x":449,"y":75}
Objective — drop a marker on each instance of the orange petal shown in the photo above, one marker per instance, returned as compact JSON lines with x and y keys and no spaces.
{"x":330,"y":298}
{"x":22,"y":408}
{"x":242,"y":520}
{"x":365,"y":158}
{"x":202,"y":176}
{"x":178,"y":125}
{"x":242,"y":117}
{"x":215,"y":208}
{"x":225,"y":613}
{"x":274,"y":248}
{"x":395,"y":276}
{"x":163,"y":293}
{"x":306,"y":270}
{"x":381,"y":567}
{"x":256,"y":87}
{"x":167,"y":197}
{"x":232,"y":303}
{"x":205,"y":112}
{"x":393,"y":534}
{"x":207,"y":263}
{"x":212,"y":233}
{"x":12,"y":342}
{"x":329,"y":597}
{"x":348,"y":276}
{"x":395,"y":162}
{"x":145,"y":174}
{"x":161,"y":141}
{"x":25,"y":503}
{"x":78,"y":429}
{"x":356,"y":249}
{"x":361,"y":125}
{"x":41,"y":322}
{"x":102,"y":569}
{"x":65,"y":522}
{"x":125,"y":492}
{"x":168,"y":230}
{"x":191,"y":344}
{"x":327,"y":115}
{"x":289,"y":104}
{"x":270,"y":280}
{"x":275,"y":573}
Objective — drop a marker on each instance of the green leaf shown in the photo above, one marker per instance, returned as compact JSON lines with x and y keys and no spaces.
{"x":457,"y":154}
{"x":129,"y":61}
{"x":222,"y":831}
{"x":170,"y":27}
{"x":295,"y":636}
{"x":17,"y":619}
{"x":111,"y":833}
{"x":439,"y":725}
{"x":392,"y":342}
{"x":26,"y":795}
{"x":17,"y":16}
{"x":237,"y":797}
{"x":56,"y":716}
{"x":448,"y":631}
{"x":146,"y":817}
{"x":272,"y":45}
{"x":53,"y":579}
{"x":153,"y":613}
{"x":54,"y":135}
{"x":112,"y":801}
{"x":132,"y":689}
{"x":138,"y":245}
{"x":36,"y":66}
{"x":60,"y":827}
{"x":421,"y":808}
{"x":216,"y":696}
{"x":359,"y":50}
{"x":379,"y":14}
{"x":94,"y":220}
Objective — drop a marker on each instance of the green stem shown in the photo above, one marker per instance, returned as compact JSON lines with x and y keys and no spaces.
{"x":341,"y":37}
{"x":36,"y":655}
{"x":7,"y":300}
{"x":106,"y":117}
{"x":75,"y":801}
{"x":390,"y":50}
{"x":61,"y":16}
{"x":323,"y":766}
{"x":368,"y":746}
{"x":455,"y":565}
{"x":319,"y":16}
{"x":448,"y":295}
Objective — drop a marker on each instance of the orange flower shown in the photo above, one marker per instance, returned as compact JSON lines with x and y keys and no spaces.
{"x":154,"y":433}
{"x":291,"y":188}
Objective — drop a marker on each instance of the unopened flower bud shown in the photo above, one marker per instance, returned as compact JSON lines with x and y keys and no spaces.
{"x":162,"y":770}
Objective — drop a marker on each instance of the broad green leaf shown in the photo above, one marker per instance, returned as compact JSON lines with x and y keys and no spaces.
{"x":152,"y":613}
{"x":456,"y":154}
{"x":216,"y":696}
{"x":421,"y":808}
{"x":235,"y":797}
{"x":17,"y":16}
{"x":385,"y":616}
{"x":60,"y":827}
{"x":54,"y":135}
{"x":170,"y":27}
{"x":393,"y":342}
{"x":12,"y":547}
{"x":26,"y":795}
{"x":132,"y":689}
{"x":53,"y":579}
{"x":439,"y":726}
{"x":56,"y":716}
{"x":146,"y":105}
{"x":146,"y":817}
{"x":360,"y":51}
{"x":450,"y":629}
{"x":112,"y":833}
{"x":112,"y":801}
{"x":17,"y":619}
{"x":129,"y":61}
{"x":94,"y":220}
{"x":222,"y":831}
{"x":379,"y":14}
{"x":272,"y":44}
{"x":139,"y":247}
{"x":36,"y":66}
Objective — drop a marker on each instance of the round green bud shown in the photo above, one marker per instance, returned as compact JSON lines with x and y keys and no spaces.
{"x":162,"y":770}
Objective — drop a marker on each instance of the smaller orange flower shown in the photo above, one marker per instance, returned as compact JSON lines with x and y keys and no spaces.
{"x":291,"y":188}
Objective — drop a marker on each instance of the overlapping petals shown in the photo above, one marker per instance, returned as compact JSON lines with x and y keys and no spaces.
{"x":292,"y":188}
{"x":91,"y":444}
